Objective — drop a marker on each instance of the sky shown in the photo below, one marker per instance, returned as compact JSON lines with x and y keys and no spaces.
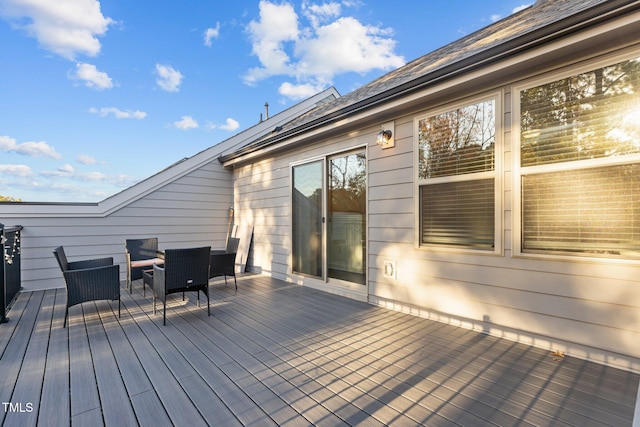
{"x":98,"y":95}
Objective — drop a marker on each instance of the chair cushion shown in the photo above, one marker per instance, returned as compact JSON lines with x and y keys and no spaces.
{"x":147,"y":262}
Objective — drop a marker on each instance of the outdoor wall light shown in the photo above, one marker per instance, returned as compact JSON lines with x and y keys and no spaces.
{"x":384,"y":138}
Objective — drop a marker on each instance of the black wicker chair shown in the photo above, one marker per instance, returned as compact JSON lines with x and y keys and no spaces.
{"x":223,"y":262}
{"x":88,"y":280}
{"x":141,"y":255}
{"x":184,"y":270}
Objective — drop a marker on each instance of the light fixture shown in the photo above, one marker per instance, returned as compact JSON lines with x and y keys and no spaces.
{"x":384,"y":138}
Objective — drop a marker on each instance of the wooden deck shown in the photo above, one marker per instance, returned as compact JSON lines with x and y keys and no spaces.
{"x":274,"y":353}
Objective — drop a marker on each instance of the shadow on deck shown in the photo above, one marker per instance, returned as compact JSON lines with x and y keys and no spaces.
{"x":273,"y":353}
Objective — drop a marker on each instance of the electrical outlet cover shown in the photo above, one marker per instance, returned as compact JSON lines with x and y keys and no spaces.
{"x":390,"y":269}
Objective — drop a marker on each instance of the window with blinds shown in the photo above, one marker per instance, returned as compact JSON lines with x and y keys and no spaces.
{"x":593,"y":211}
{"x":458,"y":214}
{"x":580,"y":158}
{"x":456,"y":175}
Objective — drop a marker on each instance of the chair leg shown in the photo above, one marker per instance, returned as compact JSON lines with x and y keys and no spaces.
{"x":164,"y":315}
{"x":208,"y":306}
{"x":119,"y":299}
{"x":66,"y":314}
{"x":235,"y":281}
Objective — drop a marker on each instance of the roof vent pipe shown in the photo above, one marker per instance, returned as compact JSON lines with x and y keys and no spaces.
{"x":266,"y":109}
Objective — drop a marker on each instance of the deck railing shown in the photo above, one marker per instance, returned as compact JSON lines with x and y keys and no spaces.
{"x":9,"y":268}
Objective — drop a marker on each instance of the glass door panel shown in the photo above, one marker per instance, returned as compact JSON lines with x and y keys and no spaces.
{"x":307,"y":218}
{"x":346,"y":218}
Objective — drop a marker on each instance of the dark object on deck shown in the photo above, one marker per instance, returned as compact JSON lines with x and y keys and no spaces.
{"x":89,"y":280}
{"x":223,"y":262}
{"x":184,"y":270}
{"x":10,"y":279}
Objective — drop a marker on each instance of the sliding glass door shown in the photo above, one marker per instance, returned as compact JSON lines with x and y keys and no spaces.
{"x":329,"y":218}
{"x":346,"y":227}
{"x":307,"y":218}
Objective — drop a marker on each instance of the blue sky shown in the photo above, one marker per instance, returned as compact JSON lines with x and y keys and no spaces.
{"x":96,"y":96}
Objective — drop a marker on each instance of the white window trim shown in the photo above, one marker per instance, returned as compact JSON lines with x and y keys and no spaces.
{"x":497,"y":174}
{"x":516,"y":199}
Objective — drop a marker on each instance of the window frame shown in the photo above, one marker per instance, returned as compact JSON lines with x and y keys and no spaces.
{"x":519,"y":171}
{"x":496,"y":174}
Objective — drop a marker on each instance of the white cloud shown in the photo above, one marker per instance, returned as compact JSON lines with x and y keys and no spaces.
{"x":169,"y":79}
{"x":85,"y":159}
{"x":22,"y":171}
{"x":32,"y":149}
{"x":186,"y":123}
{"x":92,"y":77}
{"x":521,"y":7}
{"x":347,"y":45}
{"x":66,"y":169}
{"x":317,"y":13}
{"x":496,"y":17}
{"x":278,"y":24}
{"x":117,"y":113}
{"x":211,"y":33}
{"x":329,"y":45}
{"x":67,"y":28}
{"x":300,"y":91}
{"x":68,"y":172}
{"x":229,"y":125}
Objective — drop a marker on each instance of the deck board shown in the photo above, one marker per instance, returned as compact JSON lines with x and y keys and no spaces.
{"x":273,"y":353}
{"x":83,"y":386}
{"x":15,"y":349}
{"x":31,"y":376}
{"x":114,"y":402}
{"x":54,"y":405}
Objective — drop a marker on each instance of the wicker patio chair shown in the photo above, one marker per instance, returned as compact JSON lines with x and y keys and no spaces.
{"x":184,"y":270}
{"x":88,"y":280}
{"x":223,"y":262}
{"x":141,"y":255}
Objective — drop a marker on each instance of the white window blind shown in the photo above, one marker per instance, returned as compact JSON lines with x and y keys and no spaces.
{"x":588,"y":127}
{"x":592,"y":211}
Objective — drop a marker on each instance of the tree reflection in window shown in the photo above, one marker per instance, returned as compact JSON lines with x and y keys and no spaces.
{"x":595,"y":114}
{"x":457,"y":142}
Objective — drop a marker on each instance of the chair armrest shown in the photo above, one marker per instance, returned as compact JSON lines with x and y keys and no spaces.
{"x":158,"y":282}
{"x":90,"y":263}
